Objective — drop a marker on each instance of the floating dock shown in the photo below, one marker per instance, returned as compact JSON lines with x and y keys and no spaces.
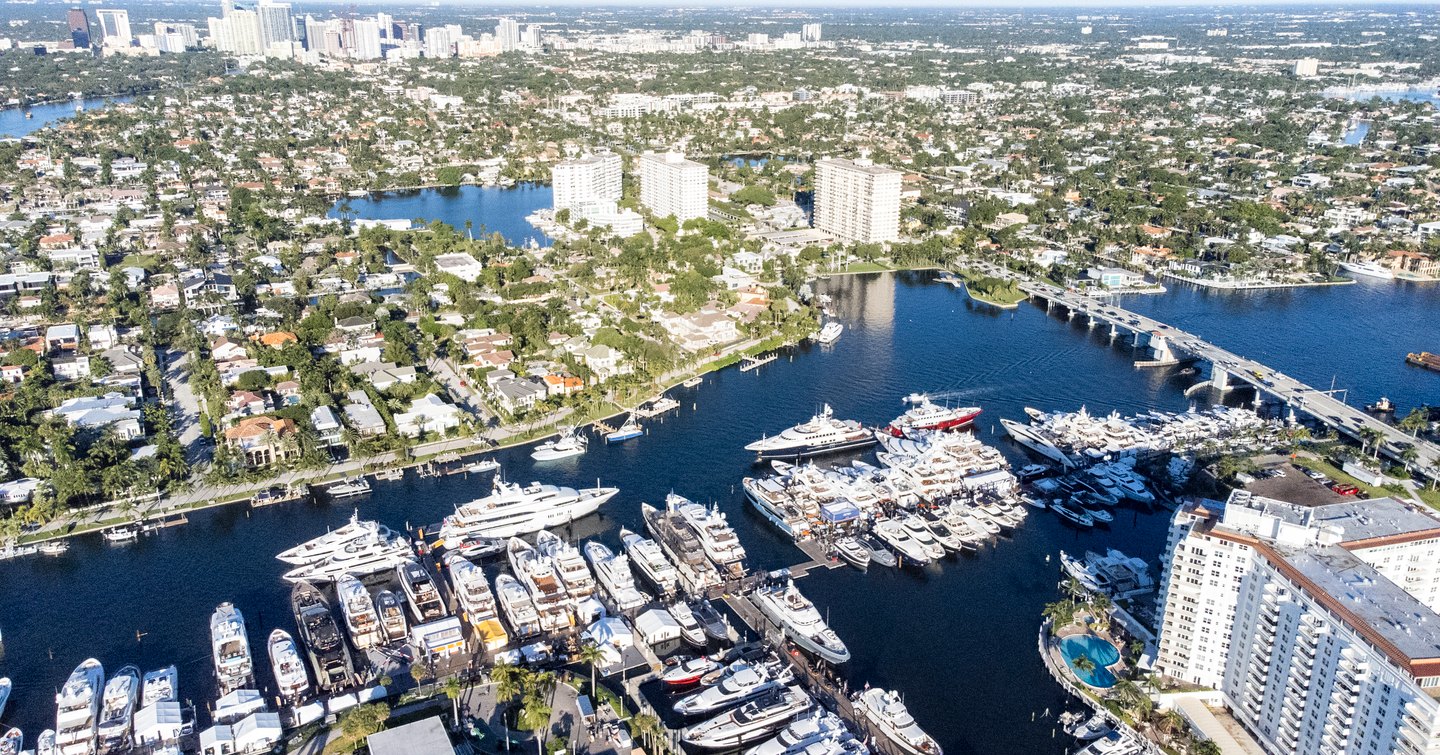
{"x":754,"y":363}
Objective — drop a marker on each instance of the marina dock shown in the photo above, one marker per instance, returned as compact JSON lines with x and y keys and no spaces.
{"x":756,"y":362}
{"x":1170,"y":345}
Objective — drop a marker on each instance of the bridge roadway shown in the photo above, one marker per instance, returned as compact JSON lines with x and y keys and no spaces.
{"x":1171,"y":345}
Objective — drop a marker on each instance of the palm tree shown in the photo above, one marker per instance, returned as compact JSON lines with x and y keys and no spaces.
{"x":507,"y":679}
{"x":1083,"y":664}
{"x":1418,"y":419}
{"x":1205,"y":747}
{"x":1130,"y":695}
{"x":647,"y":726}
{"x":453,"y":689}
{"x":1370,"y":439}
{"x":591,"y":654}
{"x":1170,"y":722}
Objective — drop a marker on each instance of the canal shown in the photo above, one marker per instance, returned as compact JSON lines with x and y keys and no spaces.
{"x":487,"y":209}
{"x":958,"y":640}
{"x":13,"y":122}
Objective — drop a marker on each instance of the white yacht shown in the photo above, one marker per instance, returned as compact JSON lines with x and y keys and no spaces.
{"x":772,"y":500}
{"x":514,"y":510}
{"x":916,"y":529}
{"x":569,"y":565}
{"x":117,"y":710}
{"x":518,"y":608}
{"x":925,"y":414}
{"x":291,"y":681}
{"x":741,"y":683}
{"x":392,"y":616}
{"x":690,"y":629}
{"x":476,"y":601}
{"x":160,"y":686}
{"x":894,"y":534}
{"x":358,"y":608}
{"x":5,"y":688}
{"x":793,"y":612}
{"x":78,"y":709}
{"x":323,"y":547}
{"x":13,"y":742}
{"x":370,"y":553}
{"x":349,"y":487}
{"x":230,"y":648}
{"x":420,"y":592}
{"x":1368,"y":269}
{"x":829,"y":333}
{"x":539,"y":578}
{"x":756,"y":720}
{"x":650,"y":561}
{"x":681,"y":545}
{"x":887,"y":711}
{"x":613,"y":572}
{"x":820,"y":725}
{"x":1036,"y":442}
{"x":821,"y":434}
{"x":716,"y":537}
{"x":567,"y":444}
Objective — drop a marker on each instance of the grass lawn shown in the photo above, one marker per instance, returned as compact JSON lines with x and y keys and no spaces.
{"x":866,"y":267}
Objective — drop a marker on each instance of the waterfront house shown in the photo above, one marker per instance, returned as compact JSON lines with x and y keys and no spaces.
{"x":328,"y":430}
{"x":1410,"y":264}
{"x":264,"y":440}
{"x":112,"y":410}
{"x":429,"y":413}
{"x":362,"y":415}
{"x":517,"y":396}
{"x":70,"y":367}
{"x":1114,"y":277}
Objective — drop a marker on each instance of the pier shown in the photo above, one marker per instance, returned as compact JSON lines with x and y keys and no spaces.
{"x":1167,"y":345}
{"x":754,"y":363}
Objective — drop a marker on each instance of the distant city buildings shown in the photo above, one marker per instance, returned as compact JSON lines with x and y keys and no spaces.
{"x":810,"y":32}
{"x":114,"y":27}
{"x":79,"y":23}
{"x":857,"y":200}
{"x":507,"y":33}
{"x":1316,"y":623}
{"x":672,"y":185}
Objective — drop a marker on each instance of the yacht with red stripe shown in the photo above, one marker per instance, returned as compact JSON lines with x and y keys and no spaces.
{"x":927,"y":415}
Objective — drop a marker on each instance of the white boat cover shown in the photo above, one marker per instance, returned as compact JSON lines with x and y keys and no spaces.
{"x":656,"y":626}
{"x":161,"y":722}
{"x":237,"y":705}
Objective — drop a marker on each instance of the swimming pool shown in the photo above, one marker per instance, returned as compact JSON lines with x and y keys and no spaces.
{"x":1099,"y":651}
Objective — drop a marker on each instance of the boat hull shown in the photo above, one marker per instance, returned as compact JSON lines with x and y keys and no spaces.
{"x":802,"y":452}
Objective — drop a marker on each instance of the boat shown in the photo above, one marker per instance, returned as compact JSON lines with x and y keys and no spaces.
{"x":926,"y":415}
{"x":1424,"y":359}
{"x":918,"y":531}
{"x":1034,"y":441}
{"x":358,"y":608}
{"x":420,"y":592}
{"x":1382,"y":406}
{"x":799,"y":735}
{"x":362,"y":556}
{"x":853,"y":552}
{"x":648,"y":559}
{"x":569,"y":565}
{"x":160,"y":686}
{"x":684,"y":673}
{"x":682,"y":547}
{"x":478,"y":548}
{"x":389,"y":475}
{"x":1079,"y":517}
{"x":829,"y":333}
{"x":477,"y":602}
{"x":125,"y":533}
{"x":45,"y":745}
{"x":756,"y":720}
{"x":1094,"y":727}
{"x":291,"y":680}
{"x":349,"y":487}
{"x":1111,"y":573}
{"x":710,"y":621}
{"x":690,"y":629}
{"x":895,"y":535}
{"x":797,"y":616}
{"x":334,"y":541}
{"x":392,"y":616}
{"x":888,"y":713}
{"x":774,"y":503}
{"x":278,"y":494}
{"x":567,"y":444}
{"x":519,"y":610}
{"x":117,"y":710}
{"x":5,"y":688}
{"x":879,"y":554}
{"x":1031,"y":472}
{"x":627,"y":430}
{"x":694,"y":381}
{"x":1113,"y":743}
{"x":1099,"y":515}
{"x":821,"y":434}
{"x":512,"y":510}
{"x":1368,"y":269}
{"x":943,"y":535}
{"x":54,"y":547}
{"x":325,"y":647}
{"x":78,"y":709}
{"x":230,"y":649}
{"x":613,"y":573}
{"x":538,"y":576}
{"x":741,"y":683}
{"x":13,"y":743}
{"x":716,"y":536}
{"x":481,"y":466}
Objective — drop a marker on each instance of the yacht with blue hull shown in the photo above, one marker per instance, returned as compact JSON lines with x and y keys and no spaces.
{"x":821,"y":434}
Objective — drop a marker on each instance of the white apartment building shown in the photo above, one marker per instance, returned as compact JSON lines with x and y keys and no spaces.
{"x":672,"y":185}
{"x":237,"y":33}
{"x":1305,"y":67}
{"x":591,"y":178}
{"x":810,"y":32}
{"x":1317,"y":624}
{"x":275,"y":26}
{"x":856,"y":200}
{"x":114,"y":27}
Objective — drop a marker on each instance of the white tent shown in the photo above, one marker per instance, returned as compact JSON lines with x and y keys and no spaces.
{"x":342,"y":702}
{"x":656,"y":626}
{"x":309,"y":713}
{"x":217,"y":740}
{"x":237,"y":705}
{"x":611,"y":631}
{"x":259,"y":732}
{"x":589,"y":609}
{"x":161,"y":722}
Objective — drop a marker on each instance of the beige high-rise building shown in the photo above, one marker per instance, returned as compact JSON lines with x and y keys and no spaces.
{"x":857,"y":200}
{"x":672,"y":185}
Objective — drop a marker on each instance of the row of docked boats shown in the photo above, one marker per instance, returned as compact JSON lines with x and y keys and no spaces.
{"x":1079,"y":438}
{"x":825,"y":434}
{"x":96,"y":714}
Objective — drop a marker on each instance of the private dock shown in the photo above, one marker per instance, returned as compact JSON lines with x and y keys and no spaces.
{"x":753,"y":363}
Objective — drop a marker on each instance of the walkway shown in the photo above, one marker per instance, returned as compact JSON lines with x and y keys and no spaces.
{"x":1198,"y":714}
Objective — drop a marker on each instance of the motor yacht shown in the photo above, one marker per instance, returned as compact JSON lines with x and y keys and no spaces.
{"x":364,"y":555}
{"x":774,"y":502}
{"x":324,"y":645}
{"x":821,"y":434}
{"x":717,"y":538}
{"x":519,"y":610}
{"x":943,"y":535}
{"x":801,"y":621}
{"x":540,"y":579}
{"x":117,"y":710}
{"x":78,"y":709}
{"x":511,"y":510}
{"x":710,"y":621}
{"x":817,"y":726}
{"x":756,"y":720}
{"x":688,"y":672}
{"x":648,"y":559}
{"x":926,"y":415}
{"x":1076,"y":516}
{"x":45,"y":744}
{"x":853,"y":552}
{"x":6,"y":687}
{"x":613,"y":573}
{"x":291,"y":679}
{"x":392,"y":616}
{"x":358,"y":608}
{"x":330,"y":543}
{"x":679,"y":542}
{"x":159,"y":686}
{"x":742,"y":682}
{"x":13,"y":742}
{"x":916,"y":528}
{"x":476,"y":601}
{"x":567,"y":444}
{"x":888,"y":713}
{"x":1036,"y":442}
{"x":895,"y":535}
{"x":478,"y":548}
{"x":350,"y":487}
{"x":420,"y":592}
{"x":829,"y":333}
{"x":690,"y":629}
{"x":569,"y":565}
{"x":230,"y":649}
{"x":879,"y":554}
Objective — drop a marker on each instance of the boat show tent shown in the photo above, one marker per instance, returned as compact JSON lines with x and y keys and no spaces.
{"x":237,"y":705}
{"x":309,"y":713}
{"x":158,"y":723}
{"x":424,"y":737}
{"x":996,"y":479}
{"x":657,"y":626}
{"x":259,"y":732}
{"x":589,"y":609}
{"x":340,"y":703}
{"x":610,"y":631}
{"x":838,"y":512}
{"x":217,"y":740}
{"x":440,"y":637}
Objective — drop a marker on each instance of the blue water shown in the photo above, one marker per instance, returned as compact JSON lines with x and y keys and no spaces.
{"x":916,"y":631}
{"x":490,"y":209}
{"x":1417,"y":95}
{"x":1356,"y":135}
{"x":14,"y":123}
{"x":1100,"y":651}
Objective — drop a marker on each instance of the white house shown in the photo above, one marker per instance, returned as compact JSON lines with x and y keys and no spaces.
{"x":428,"y":413}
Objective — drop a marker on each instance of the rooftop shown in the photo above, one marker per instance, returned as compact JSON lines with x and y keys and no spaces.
{"x":424,"y":737}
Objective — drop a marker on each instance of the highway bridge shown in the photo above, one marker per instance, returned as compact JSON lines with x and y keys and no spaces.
{"x":1168,"y":345}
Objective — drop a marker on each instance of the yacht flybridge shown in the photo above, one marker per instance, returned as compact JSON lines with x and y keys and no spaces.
{"x":821,"y":434}
{"x":231,"y":649}
{"x":794,"y":613}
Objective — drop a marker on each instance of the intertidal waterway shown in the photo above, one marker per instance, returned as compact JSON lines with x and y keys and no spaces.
{"x":958,"y":640}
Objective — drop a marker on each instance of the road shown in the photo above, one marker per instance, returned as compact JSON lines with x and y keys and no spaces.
{"x":184,"y":406}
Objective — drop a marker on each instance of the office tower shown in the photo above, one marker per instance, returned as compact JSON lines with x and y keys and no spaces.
{"x":531,"y":40}
{"x":856,"y":200}
{"x":1315,"y":623}
{"x":366,"y":42}
{"x":79,"y":23}
{"x":672,"y":185}
{"x":592,"y":178}
{"x":439,"y":42}
{"x":238,"y":33}
{"x":810,"y":32}
{"x":114,"y":27}
{"x":275,"y":25}
{"x":507,"y":33}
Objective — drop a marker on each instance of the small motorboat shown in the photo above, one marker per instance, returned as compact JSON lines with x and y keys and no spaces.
{"x":690,"y":629}
{"x":879,"y":554}
{"x":688,"y":671}
{"x":480,"y":466}
{"x":630,"y":429}
{"x":1094,"y":727}
{"x":709,"y":619}
{"x":479,"y":548}
{"x":13,"y":743}
{"x":852,"y":552}
{"x":1099,"y":515}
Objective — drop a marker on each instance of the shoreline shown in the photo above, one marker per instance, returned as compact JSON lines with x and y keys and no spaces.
{"x":1241,"y":286}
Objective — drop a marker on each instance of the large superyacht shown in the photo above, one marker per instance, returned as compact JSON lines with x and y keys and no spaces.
{"x":358,"y":608}
{"x":231,"y":649}
{"x":648,"y":559}
{"x":795,"y":614}
{"x":821,"y":434}
{"x":569,"y":564}
{"x":537,"y":574}
{"x":511,"y":510}
{"x":717,"y":538}
{"x":326,"y":648}
{"x":476,"y":600}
